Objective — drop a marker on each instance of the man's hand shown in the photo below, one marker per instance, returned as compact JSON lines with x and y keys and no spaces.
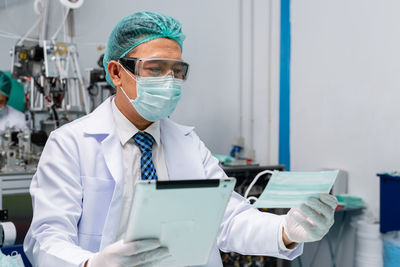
{"x":311,"y":222}
{"x":144,"y":253}
{"x":286,"y":241}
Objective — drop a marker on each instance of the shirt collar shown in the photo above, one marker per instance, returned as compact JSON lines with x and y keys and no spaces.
{"x":126,"y":130}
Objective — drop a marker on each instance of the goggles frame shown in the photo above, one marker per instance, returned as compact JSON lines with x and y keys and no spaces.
{"x":133,"y":64}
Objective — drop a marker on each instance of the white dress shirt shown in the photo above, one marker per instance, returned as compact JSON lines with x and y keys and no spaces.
{"x":131,"y":155}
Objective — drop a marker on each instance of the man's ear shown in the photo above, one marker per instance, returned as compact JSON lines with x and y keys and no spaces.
{"x":114,"y":69}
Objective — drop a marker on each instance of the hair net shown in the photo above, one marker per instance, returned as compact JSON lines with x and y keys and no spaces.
{"x":136,"y":29}
{"x":5,"y":84}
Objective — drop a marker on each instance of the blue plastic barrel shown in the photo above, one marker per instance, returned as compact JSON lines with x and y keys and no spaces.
{"x":389,"y":201}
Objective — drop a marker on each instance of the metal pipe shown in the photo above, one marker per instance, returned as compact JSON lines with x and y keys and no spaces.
{"x":269,"y":89}
{"x":252,"y":76}
{"x":240,"y":68}
{"x":45,"y":17}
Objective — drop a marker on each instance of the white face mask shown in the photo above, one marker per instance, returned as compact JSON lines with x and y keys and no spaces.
{"x":157,"y":97}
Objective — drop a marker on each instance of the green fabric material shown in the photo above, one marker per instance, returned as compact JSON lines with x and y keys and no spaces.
{"x":136,"y":29}
{"x":350,"y":201}
{"x":223,"y":158}
{"x":5,"y":84}
{"x":17,"y":96}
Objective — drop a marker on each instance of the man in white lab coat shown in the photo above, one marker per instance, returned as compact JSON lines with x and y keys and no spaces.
{"x":82,"y":190}
{"x":9,"y":116}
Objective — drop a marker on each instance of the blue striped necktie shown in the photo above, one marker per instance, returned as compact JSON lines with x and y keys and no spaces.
{"x":145,"y":143}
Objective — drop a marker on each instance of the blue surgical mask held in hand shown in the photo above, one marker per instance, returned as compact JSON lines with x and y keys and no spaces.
{"x":157,"y":97}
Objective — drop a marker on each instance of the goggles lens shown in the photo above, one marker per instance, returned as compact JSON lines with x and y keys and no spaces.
{"x":156,"y":67}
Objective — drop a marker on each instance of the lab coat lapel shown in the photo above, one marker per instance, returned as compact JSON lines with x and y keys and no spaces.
{"x":102,"y":127}
{"x":113,"y":157}
{"x":182,"y":155}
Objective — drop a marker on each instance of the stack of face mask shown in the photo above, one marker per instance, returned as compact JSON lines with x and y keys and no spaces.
{"x":13,"y":260}
{"x":291,"y":189}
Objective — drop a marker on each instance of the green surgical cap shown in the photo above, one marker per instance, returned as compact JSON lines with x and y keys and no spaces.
{"x":136,"y":29}
{"x":5,"y":84}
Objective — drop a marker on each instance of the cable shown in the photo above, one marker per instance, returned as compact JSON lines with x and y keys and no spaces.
{"x":300,"y":262}
{"x":18,"y":37}
{"x":38,"y":6}
{"x":315,"y":254}
{"x":29,"y":32}
{"x":41,"y":88}
{"x":44,"y":23}
{"x":255,"y":181}
{"x":72,"y":4}
{"x":339,"y":239}
{"x":9,"y":33}
{"x":92,"y":43}
{"x":61,"y":25}
{"x":252,"y":198}
{"x":53,"y":108}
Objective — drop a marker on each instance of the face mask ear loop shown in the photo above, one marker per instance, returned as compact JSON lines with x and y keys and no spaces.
{"x":253,"y":183}
{"x":123,"y":91}
{"x":127,"y":72}
{"x":130,"y":76}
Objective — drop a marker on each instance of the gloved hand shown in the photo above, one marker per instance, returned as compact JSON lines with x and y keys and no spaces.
{"x":312,"y":221}
{"x":144,"y":253}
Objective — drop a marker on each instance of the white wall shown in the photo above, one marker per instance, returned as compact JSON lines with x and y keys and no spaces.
{"x":211,"y":95}
{"x":345,"y":89}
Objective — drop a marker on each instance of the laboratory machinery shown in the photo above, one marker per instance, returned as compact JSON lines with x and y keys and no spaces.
{"x":55,"y":93}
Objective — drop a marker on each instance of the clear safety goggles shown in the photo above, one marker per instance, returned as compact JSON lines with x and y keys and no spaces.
{"x":156,"y":67}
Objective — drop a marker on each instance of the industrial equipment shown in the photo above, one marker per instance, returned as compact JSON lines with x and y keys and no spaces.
{"x":99,"y":89}
{"x":55,"y":94}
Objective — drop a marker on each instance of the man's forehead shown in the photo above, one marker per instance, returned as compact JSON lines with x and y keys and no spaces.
{"x":157,"y":47}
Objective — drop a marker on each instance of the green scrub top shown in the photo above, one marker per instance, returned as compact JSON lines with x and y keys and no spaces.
{"x":17,"y":95}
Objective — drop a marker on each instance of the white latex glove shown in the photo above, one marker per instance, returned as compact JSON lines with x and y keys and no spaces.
{"x":312,"y":221}
{"x":144,"y":253}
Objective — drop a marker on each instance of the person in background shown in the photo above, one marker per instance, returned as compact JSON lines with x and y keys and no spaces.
{"x":83,"y":189}
{"x":9,"y":116}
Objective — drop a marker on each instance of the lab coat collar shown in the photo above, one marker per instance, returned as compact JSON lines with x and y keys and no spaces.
{"x":126,"y":129}
{"x":168,"y":123}
{"x":102,"y":121}
{"x":101,"y":125}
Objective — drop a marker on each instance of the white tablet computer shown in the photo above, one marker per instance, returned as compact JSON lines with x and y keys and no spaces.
{"x":184,"y":215}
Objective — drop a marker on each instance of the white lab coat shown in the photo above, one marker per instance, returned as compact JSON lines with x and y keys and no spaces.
{"x":77,"y":194}
{"x":12,"y":118}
